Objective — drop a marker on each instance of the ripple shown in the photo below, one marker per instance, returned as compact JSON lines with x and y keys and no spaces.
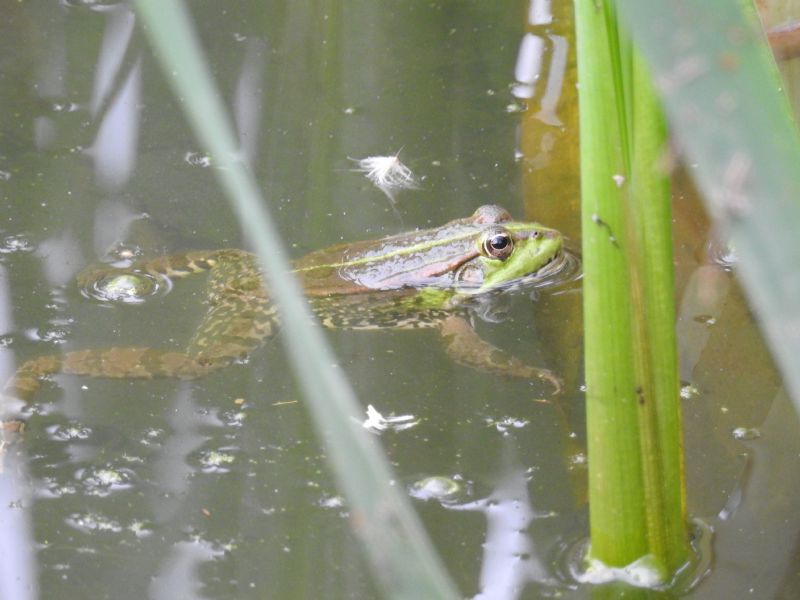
{"x":98,"y":5}
{"x":102,"y":481}
{"x":15,"y":244}
{"x":125,"y":287}
{"x":722,"y":252}
{"x":506,"y":424}
{"x":69,"y":432}
{"x":575,"y":566}
{"x":152,"y":437}
{"x":441,"y":488}
{"x":564,"y":269}
{"x":197,"y":159}
{"x":93,"y":523}
{"x":746,"y":433}
{"x":52,"y":334}
{"x":217,"y":461}
{"x":50,"y":488}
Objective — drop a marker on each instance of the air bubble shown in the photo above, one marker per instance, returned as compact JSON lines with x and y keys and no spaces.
{"x":15,"y":243}
{"x":722,"y":253}
{"x":216,"y":461}
{"x":102,"y":481}
{"x":93,"y":523}
{"x":69,"y":432}
{"x":197,"y":159}
{"x":689,"y":390}
{"x":746,"y":433}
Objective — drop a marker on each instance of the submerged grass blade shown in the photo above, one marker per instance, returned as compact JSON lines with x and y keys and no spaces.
{"x":400,"y":552}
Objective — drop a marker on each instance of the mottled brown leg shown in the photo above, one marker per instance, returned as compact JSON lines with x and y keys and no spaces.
{"x":22,"y":387}
{"x":116,"y":363}
{"x":231,"y":329}
{"x":466,"y":347}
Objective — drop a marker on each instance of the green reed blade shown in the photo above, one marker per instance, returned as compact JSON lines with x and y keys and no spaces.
{"x":402,"y":557}
{"x":633,"y":412}
{"x":723,"y":96}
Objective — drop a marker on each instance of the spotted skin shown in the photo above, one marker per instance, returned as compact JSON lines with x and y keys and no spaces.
{"x":240,"y":315}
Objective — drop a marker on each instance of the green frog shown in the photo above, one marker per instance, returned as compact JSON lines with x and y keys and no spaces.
{"x":433,"y":278}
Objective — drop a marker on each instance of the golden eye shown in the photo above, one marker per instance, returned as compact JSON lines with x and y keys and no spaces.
{"x":498,"y":245}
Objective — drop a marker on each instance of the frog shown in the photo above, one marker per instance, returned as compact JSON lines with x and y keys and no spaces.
{"x":425,"y":279}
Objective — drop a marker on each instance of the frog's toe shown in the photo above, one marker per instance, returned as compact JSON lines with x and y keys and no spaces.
{"x":11,"y":431}
{"x":554,"y":380}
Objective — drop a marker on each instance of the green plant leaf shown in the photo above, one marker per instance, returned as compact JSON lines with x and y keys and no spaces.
{"x":402,"y":557}
{"x":637,"y":506}
{"x":722,"y":93}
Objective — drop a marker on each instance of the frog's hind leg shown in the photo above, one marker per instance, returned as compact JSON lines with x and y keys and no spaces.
{"x":466,"y":347}
{"x":115,"y":363}
{"x":232,"y":328}
{"x":229,"y":331}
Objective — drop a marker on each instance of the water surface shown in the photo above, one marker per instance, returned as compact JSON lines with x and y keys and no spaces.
{"x":218,"y":488}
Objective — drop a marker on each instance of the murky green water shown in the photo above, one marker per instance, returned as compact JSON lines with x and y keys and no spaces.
{"x":218,"y":488}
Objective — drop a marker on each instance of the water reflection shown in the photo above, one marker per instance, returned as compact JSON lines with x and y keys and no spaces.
{"x":758,"y":525}
{"x":173,"y":468}
{"x":555,"y":82}
{"x":540,"y":12}
{"x":511,"y":557}
{"x":248,"y":99}
{"x":178,"y":576}
{"x":349,"y":84}
{"x":115,"y":148}
{"x":19,"y":565}
{"x":119,"y":26}
{"x":540,"y":54}
{"x":529,"y":65}
{"x":51,"y":78}
{"x":60,"y":258}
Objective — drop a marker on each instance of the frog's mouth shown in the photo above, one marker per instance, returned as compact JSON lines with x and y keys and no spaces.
{"x":553,"y":265}
{"x":561,"y":268}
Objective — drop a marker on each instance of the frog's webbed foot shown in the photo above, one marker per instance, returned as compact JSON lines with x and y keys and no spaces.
{"x":17,"y":392}
{"x":466,"y":347}
{"x":10,"y":433}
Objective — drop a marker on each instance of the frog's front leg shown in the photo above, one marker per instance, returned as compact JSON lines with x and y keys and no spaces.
{"x":466,"y":347}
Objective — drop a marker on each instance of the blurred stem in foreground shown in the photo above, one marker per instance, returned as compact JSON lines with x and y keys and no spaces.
{"x":636,"y":486}
{"x":720,"y":87}
{"x":401,"y":555}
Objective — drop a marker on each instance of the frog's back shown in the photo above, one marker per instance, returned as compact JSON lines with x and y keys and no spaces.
{"x":422,"y":259}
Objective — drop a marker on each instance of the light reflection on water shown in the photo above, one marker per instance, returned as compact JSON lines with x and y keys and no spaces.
{"x":19,"y":567}
{"x":512,"y":558}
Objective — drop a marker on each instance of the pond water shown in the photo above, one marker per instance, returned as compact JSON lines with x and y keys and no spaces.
{"x":218,"y":488}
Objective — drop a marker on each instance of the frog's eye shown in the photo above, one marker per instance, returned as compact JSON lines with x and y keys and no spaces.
{"x":498,"y":245}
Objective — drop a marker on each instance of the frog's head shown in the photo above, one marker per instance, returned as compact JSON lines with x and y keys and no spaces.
{"x":508,"y":250}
